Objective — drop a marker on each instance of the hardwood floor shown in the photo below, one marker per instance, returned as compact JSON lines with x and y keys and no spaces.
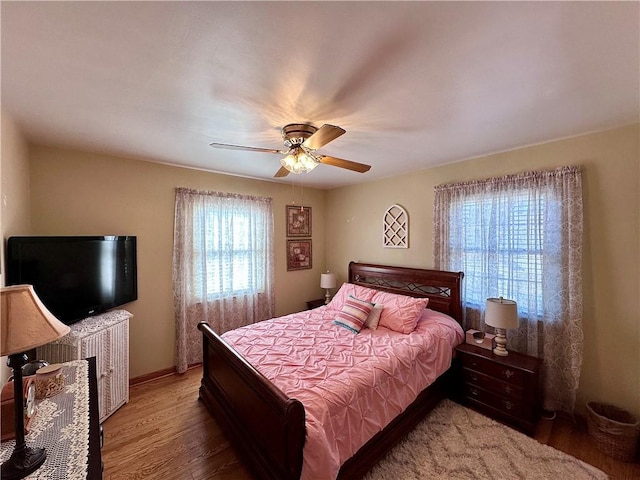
{"x":574,"y":439}
{"x":164,"y":432}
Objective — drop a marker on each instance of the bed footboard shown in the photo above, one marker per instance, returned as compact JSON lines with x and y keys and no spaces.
{"x":267,"y":427}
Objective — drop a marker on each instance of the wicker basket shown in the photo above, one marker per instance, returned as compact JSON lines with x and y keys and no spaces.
{"x":615,"y":431}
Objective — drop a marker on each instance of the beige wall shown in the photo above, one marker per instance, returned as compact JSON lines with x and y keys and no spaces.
{"x":14,"y":194}
{"x":74,"y":193}
{"x":611,"y":275}
{"x":14,"y":174}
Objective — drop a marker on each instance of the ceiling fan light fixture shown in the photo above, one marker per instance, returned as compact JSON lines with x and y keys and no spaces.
{"x":301,"y":141}
{"x":298,"y":161}
{"x":308,"y":161}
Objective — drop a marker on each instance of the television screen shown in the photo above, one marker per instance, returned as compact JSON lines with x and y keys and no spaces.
{"x":75,"y":277}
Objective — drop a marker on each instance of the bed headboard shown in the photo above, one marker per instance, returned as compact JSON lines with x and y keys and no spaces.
{"x":443,"y":289}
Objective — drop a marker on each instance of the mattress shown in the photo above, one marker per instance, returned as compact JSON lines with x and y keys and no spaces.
{"x":351,"y":385}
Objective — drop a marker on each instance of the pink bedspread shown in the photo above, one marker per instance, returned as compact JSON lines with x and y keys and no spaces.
{"x":350,"y":385}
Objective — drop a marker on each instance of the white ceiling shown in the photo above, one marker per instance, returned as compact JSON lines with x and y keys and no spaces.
{"x":415,"y":84}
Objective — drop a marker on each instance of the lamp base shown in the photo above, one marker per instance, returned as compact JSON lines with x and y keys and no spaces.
{"x":327,"y":297}
{"x":22,"y":462}
{"x":24,"y":459}
{"x":501,"y":343}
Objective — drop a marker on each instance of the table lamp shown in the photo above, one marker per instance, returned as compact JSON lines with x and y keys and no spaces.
{"x":501,"y":314}
{"x":26,"y":324}
{"x":327,"y":281}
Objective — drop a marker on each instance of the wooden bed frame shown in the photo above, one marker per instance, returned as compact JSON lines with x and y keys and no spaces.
{"x":268,"y":428}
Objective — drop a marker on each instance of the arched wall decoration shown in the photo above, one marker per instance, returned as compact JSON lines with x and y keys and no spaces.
{"x":395,"y":225}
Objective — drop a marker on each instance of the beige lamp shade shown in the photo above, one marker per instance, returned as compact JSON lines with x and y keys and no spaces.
{"x":26,"y":322}
{"x":501,"y":313}
{"x":328,"y":280}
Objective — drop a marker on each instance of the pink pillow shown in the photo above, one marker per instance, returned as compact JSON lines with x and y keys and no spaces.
{"x":401,"y":312}
{"x":341,"y":296}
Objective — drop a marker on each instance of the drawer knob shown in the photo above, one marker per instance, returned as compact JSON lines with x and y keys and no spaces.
{"x":507,"y":389}
{"x":509,"y":373}
{"x":508,"y":405}
{"x":474,"y":392}
{"x":474,"y":378}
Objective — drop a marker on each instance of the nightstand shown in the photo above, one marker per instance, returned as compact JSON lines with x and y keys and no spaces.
{"x":318,"y":302}
{"x":503,"y":388}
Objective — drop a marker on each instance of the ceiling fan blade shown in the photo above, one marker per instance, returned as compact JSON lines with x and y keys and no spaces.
{"x":251,"y":149}
{"x":283,"y":172}
{"x":348,"y":164}
{"x":323,"y":135}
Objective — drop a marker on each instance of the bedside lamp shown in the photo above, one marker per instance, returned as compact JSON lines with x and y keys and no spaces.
{"x":26,"y":324}
{"x":501,"y":314}
{"x":328,"y":281}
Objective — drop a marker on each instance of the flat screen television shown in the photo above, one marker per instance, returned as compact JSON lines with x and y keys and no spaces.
{"x":75,"y":277}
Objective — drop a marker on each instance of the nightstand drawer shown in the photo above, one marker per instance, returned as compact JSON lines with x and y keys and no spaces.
{"x":496,"y":370}
{"x":505,"y":405}
{"x":491,"y":384}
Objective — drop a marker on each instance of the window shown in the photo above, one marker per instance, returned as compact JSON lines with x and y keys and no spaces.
{"x":234,"y":250}
{"x":500,"y":243}
{"x":520,"y":237}
{"x":222,"y":265}
{"x":228,"y":239}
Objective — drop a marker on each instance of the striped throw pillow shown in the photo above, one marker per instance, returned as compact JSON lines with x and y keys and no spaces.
{"x":353,"y":314}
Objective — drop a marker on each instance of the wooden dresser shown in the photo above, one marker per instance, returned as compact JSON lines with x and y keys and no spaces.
{"x":504,"y":388}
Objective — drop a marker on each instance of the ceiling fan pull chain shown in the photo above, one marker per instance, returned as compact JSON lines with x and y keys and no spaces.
{"x":293,"y":193}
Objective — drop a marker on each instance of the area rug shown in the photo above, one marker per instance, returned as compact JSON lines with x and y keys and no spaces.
{"x":454,"y":442}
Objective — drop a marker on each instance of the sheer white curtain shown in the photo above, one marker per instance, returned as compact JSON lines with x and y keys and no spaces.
{"x":222,"y":265}
{"x":520,"y":237}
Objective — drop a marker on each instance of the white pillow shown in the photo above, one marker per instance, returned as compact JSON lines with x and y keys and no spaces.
{"x":374,"y":317}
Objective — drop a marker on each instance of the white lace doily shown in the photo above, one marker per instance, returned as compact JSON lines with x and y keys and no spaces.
{"x":61,"y":426}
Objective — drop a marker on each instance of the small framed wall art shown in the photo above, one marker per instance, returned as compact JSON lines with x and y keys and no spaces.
{"x":298,"y":254}
{"x":298,"y":221}
{"x":395,"y":227}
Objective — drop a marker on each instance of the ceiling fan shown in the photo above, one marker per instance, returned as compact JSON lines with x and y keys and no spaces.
{"x":302,"y":140}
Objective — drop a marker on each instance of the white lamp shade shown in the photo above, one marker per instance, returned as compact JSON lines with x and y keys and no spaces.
{"x":328,"y":280}
{"x":26,"y":322}
{"x":501,"y":313}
